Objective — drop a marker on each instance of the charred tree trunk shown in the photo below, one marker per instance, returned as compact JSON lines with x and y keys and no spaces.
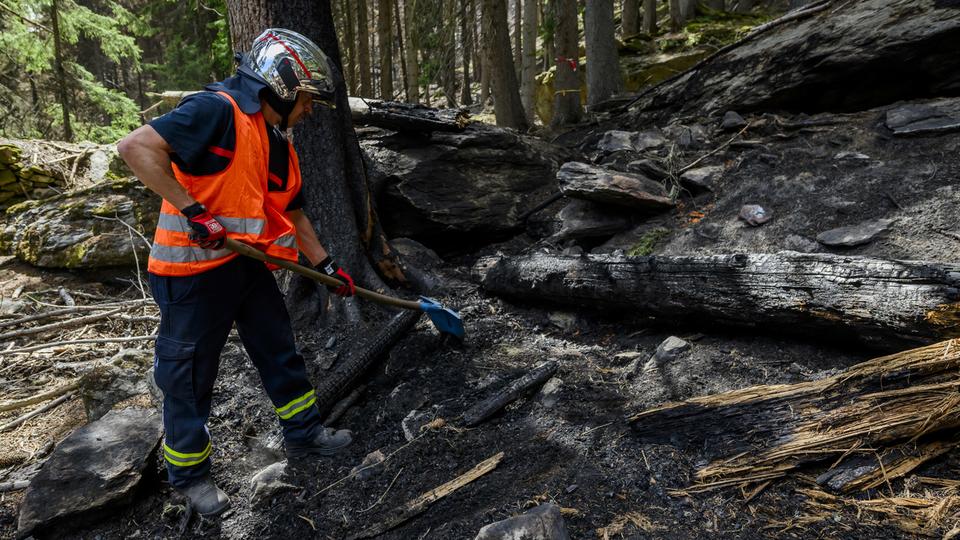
{"x":603,"y":62}
{"x":402,"y":56}
{"x":503,"y":78}
{"x":566,"y":101}
{"x":413,"y":48}
{"x":363,"y":49}
{"x":385,"y":39}
{"x":883,"y":303}
{"x":350,"y":65}
{"x":335,"y":187}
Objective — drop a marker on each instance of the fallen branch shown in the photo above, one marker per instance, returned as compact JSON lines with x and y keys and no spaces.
{"x":20,"y":403}
{"x":40,"y":410}
{"x":79,"y":342}
{"x":80,"y":321}
{"x":16,"y":485}
{"x":344,"y":404}
{"x":417,"y":506}
{"x":489,"y":406}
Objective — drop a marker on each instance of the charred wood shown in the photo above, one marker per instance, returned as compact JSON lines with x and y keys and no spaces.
{"x":489,"y":406}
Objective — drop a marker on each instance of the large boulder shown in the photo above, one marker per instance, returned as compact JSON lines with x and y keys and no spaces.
{"x":464,"y":186}
{"x":88,"y":228}
{"x":91,"y":473}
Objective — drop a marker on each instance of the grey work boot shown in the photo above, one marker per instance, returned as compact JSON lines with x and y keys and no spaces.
{"x":205,"y":497}
{"x":325,"y":443}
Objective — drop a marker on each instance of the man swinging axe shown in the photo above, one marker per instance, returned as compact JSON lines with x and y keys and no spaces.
{"x":224,"y":168}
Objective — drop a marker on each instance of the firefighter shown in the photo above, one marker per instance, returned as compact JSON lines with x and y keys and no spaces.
{"x":224,"y":167}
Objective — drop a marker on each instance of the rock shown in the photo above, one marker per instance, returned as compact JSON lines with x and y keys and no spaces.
{"x":91,"y":473}
{"x":564,"y":320}
{"x":104,"y":386}
{"x":651,"y":139}
{"x":851,"y":156}
{"x":270,"y":481}
{"x":541,"y":523}
{"x":415,"y":420}
{"x":416,"y":253}
{"x":802,"y":244}
{"x":854,"y":235}
{"x":155,"y":392}
{"x":649,"y":168}
{"x":709,"y":231}
{"x":732,"y":122}
{"x":701,"y":178}
{"x":754,"y":215}
{"x":371,"y":465}
{"x":615,"y":141}
{"x":585,"y":219}
{"x":924,"y":119}
{"x":67,"y":232}
{"x":669,"y":350}
{"x":456,"y":187}
{"x":583,"y":181}
{"x":549,"y":393}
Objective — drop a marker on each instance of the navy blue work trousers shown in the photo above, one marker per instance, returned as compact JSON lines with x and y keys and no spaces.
{"x":196,"y":314}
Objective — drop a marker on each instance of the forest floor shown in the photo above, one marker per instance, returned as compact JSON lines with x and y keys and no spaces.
{"x":572,"y":445}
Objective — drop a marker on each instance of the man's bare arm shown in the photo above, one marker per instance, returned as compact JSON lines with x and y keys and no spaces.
{"x":148,"y":156}
{"x":307,"y":237}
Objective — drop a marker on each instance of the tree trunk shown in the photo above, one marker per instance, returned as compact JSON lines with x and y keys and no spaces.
{"x":466,"y":95}
{"x":689,"y":8}
{"x":678,"y":17}
{"x":717,"y":5}
{"x":413,"y":47}
{"x":503,"y":79}
{"x":549,"y":26}
{"x":518,"y":36}
{"x":385,"y":39}
{"x":883,"y":303}
{"x":650,"y":17}
{"x":350,"y":64}
{"x":62,"y":93}
{"x":603,"y":62}
{"x":744,"y":6}
{"x":363,"y":49}
{"x":481,"y":50}
{"x":448,"y":75}
{"x":400,"y":46}
{"x":566,"y":84}
{"x":629,"y":20}
{"x":335,"y":185}
{"x":529,"y":70}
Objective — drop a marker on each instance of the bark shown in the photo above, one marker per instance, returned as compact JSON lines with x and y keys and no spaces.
{"x":678,"y":17}
{"x":549,"y":30}
{"x":413,"y":48}
{"x":448,"y":76}
{"x":744,"y":6}
{"x":335,"y":189}
{"x":603,"y":62}
{"x":630,"y":19}
{"x":566,"y":84}
{"x":650,"y":17}
{"x":814,"y":60}
{"x":62,"y":93}
{"x":529,"y":68}
{"x":466,"y":95}
{"x":503,"y":79}
{"x":363,"y":50}
{"x":518,"y":36}
{"x":489,"y":406}
{"x":717,"y":5}
{"x":385,"y":39}
{"x":882,"y":303}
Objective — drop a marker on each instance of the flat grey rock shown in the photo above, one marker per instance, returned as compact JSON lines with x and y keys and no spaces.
{"x":669,"y":350}
{"x":541,"y":523}
{"x":616,"y":141}
{"x":732,"y":122}
{"x":649,"y":168}
{"x":701,"y":178}
{"x":854,"y":235}
{"x":583,"y":181}
{"x":921,"y":119}
{"x":91,"y":473}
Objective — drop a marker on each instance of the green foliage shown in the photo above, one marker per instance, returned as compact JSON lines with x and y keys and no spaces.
{"x":648,"y":242}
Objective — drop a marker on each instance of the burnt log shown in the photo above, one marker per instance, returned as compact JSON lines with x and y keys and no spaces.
{"x":500,"y":399}
{"x":406,"y":117}
{"x":882,"y":303}
{"x":832,"y":56}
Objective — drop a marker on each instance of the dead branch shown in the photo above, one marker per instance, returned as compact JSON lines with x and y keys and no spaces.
{"x":79,"y":342}
{"x":417,"y":506}
{"x":80,"y":321}
{"x":20,"y":403}
{"x":489,"y":406}
{"x":40,"y":410}
{"x":344,"y":404}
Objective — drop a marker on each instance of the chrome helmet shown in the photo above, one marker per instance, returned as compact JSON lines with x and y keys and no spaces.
{"x":289,"y":63}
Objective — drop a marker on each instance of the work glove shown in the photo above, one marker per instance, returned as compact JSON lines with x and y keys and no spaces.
{"x":330,"y":268}
{"x":207,"y":231}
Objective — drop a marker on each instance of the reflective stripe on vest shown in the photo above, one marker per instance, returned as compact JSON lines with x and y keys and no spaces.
{"x":239,"y":197}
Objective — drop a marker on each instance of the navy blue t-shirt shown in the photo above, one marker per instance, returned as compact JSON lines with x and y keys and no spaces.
{"x":201,"y":133}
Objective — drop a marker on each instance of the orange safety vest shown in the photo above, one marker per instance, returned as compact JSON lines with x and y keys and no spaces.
{"x":238,"y":197}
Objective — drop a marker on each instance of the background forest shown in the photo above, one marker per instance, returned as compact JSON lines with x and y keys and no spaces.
{"x":92,"y":69}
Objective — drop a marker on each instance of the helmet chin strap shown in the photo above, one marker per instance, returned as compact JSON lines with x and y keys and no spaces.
{"x":283,"y":108}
